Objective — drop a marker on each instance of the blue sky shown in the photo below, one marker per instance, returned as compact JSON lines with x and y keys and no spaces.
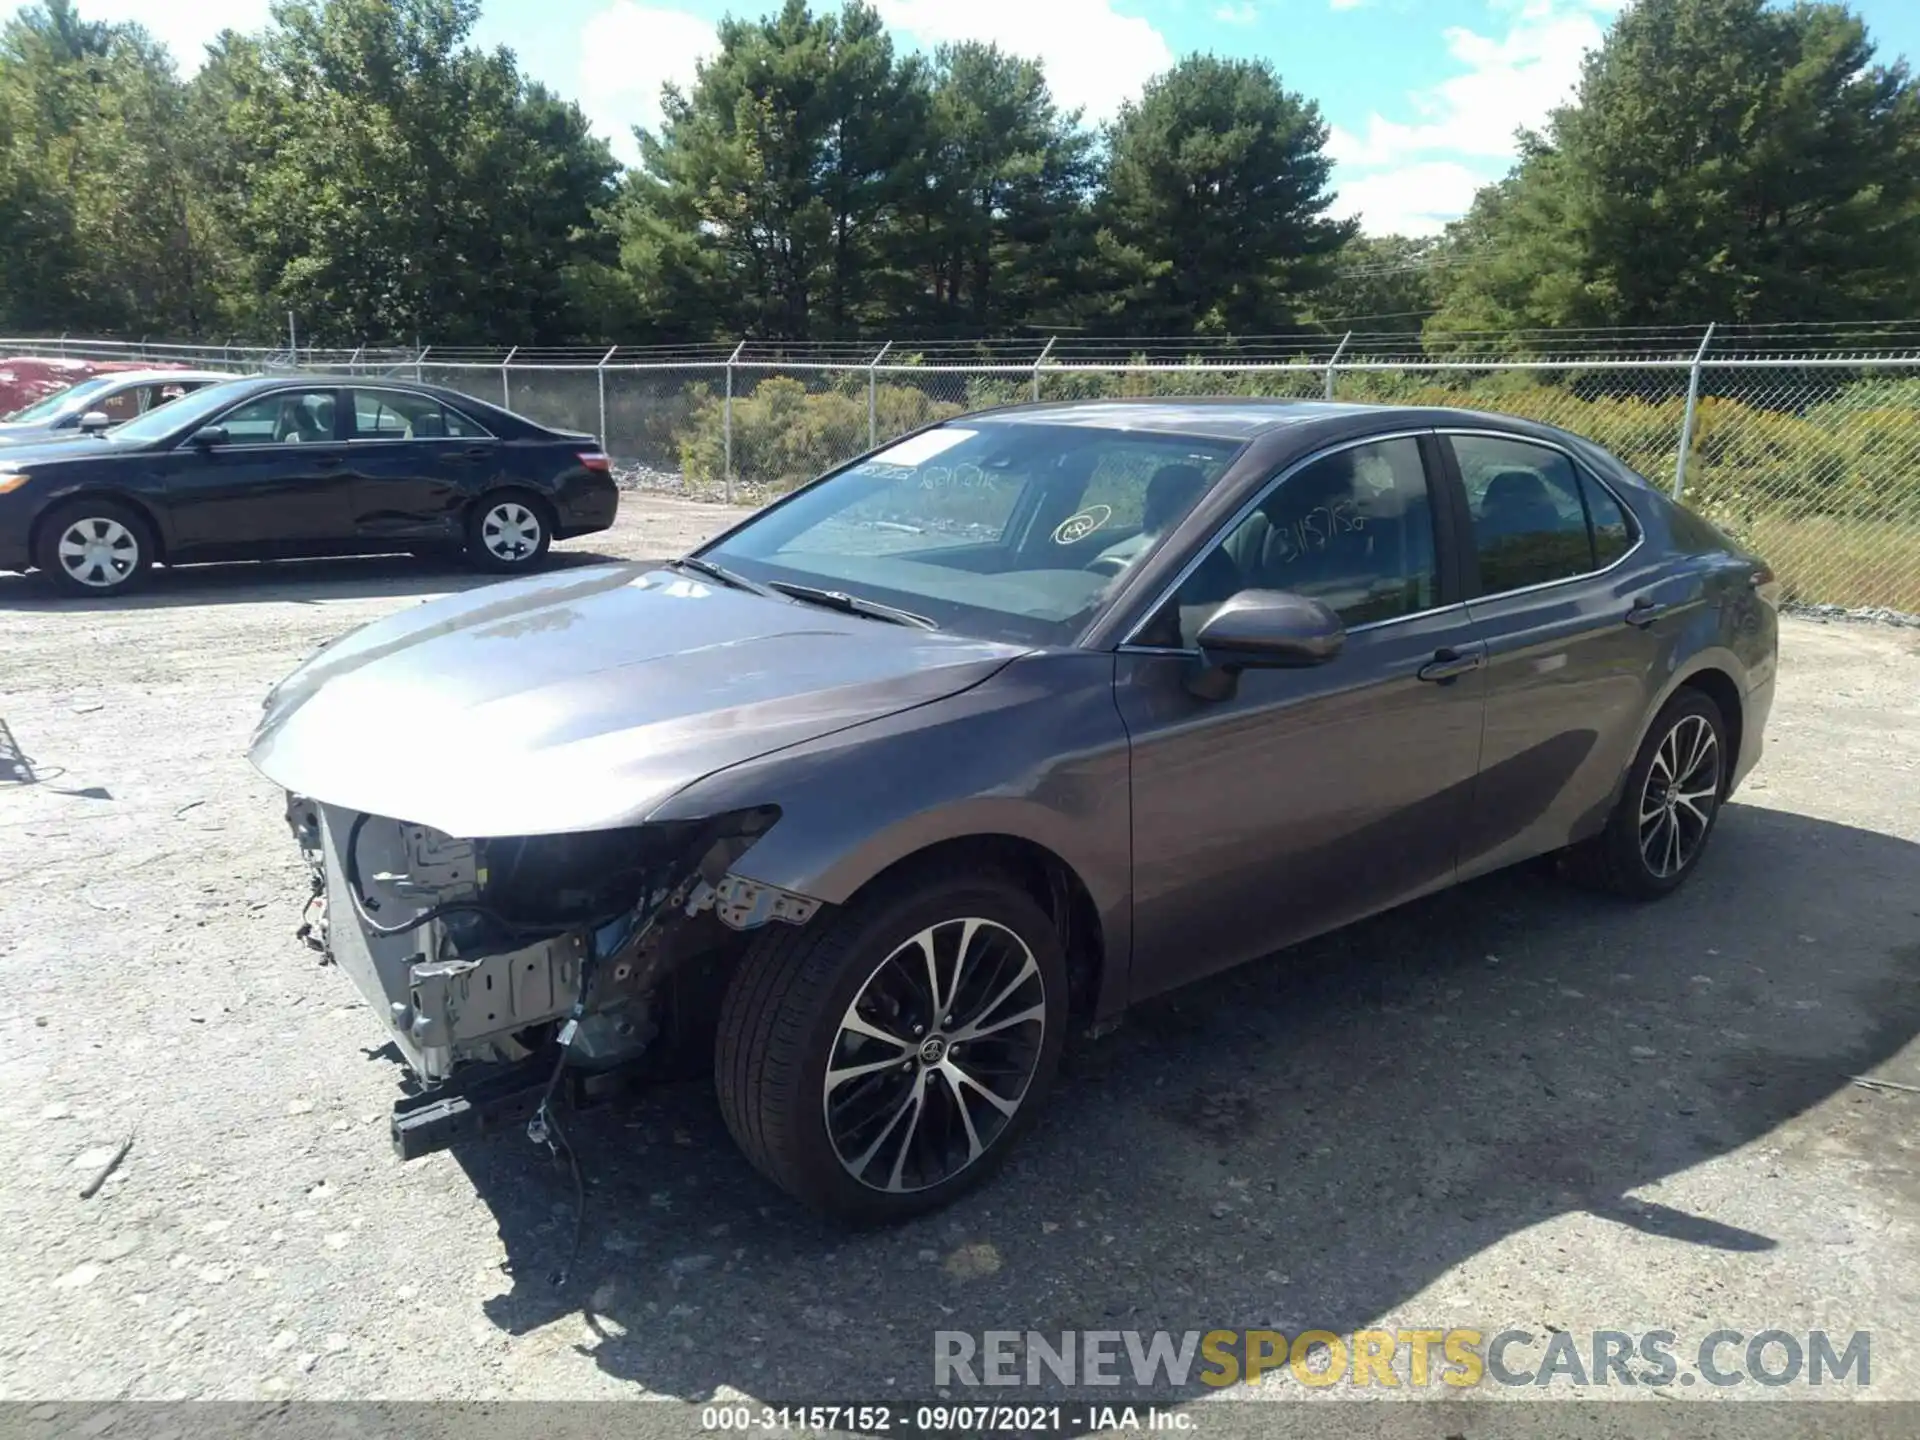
{"x":1423,"y":95}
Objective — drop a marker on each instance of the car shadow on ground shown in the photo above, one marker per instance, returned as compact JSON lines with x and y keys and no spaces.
{"x":1308,"y":1141}
{"x":355,"y":577}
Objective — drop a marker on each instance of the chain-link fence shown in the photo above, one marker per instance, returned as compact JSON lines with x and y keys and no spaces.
{"x":1804,"y":443}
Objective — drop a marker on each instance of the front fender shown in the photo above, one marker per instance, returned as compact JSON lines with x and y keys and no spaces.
{"x":1038,"y":752}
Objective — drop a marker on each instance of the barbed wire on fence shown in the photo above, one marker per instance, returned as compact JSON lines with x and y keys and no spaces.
{"x":1802,"y":440}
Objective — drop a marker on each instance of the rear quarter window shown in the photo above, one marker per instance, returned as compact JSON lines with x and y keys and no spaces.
{"x":1613,"y":530}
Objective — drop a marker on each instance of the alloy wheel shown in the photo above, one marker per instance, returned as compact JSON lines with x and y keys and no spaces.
{"x":510,"y":531}
{"x":935,"y":1055}
{"x":1677,"y":801}
{"x":98,"y":552}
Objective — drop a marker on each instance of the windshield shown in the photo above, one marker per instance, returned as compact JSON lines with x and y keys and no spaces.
{"x":1000,"y":529}
{"x":182,"y":414}
{"x":51,"y":407}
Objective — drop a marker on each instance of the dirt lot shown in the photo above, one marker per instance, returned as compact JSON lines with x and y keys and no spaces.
{"x":1516,"y":1106}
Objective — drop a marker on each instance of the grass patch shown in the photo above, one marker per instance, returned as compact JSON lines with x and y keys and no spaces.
{"x":1832,"y":560}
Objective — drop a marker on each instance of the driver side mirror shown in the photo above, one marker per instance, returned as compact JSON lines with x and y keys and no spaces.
{"x":207,"y":436}
{"x":94,"y":421}
{"x":1263,"y":630}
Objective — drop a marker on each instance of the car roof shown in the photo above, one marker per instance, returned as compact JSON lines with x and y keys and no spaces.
{"x":147,"y":377}
{"x":1241,"y":418}
{"x":1224,"y":418}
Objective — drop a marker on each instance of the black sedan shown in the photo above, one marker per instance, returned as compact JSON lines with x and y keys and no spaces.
{"x":997,"y":731}
{"x":275,"y":468}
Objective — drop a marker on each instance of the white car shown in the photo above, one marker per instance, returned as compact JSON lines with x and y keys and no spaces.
{"x":102,"y":402}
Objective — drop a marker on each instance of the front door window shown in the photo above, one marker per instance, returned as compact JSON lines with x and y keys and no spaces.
{"x":1353,"y":529}
{"x":286,"y":417}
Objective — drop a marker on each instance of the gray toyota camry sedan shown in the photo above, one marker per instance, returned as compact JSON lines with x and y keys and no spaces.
{"x":981,"y":738}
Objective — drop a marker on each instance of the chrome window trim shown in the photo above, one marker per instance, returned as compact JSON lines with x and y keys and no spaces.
{"x":274,"y":444}
{"x":1239,"y":517}
{"x":1581,"y":471}
{"x":417,"y":439}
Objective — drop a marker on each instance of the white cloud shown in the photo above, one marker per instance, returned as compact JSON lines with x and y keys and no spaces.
{"x":1094,"y":57}
{"x":1417,"y":199}
{"x":1347,"y":4}
{"x":1241,"y":14}
{"x":627,"y":52}
{"x":185,"y":29}
{"x":1394,"y":172}
{"x":1508,"y":81}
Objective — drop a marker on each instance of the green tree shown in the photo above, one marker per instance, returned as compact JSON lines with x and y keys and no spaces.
{"x":1214,"y":216}
{"x":104,"y":221}
{"x":396,"y":182}
{"x":1380,"y":283}
{"x":1722,"y":160}
{"x":767,"y":200}
{"x":1001,"y":213}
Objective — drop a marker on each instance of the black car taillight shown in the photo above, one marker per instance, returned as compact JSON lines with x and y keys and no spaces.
{"x":596,"y":460}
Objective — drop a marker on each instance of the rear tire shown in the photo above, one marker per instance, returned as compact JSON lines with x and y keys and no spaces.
{"x":93,"y":547}
{"x":508,"y":531}
{"x":1668,"y":805}
{"x":975,"y":1027}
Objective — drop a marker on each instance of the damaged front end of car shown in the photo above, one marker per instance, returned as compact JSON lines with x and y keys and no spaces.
{"x":501,"y":967}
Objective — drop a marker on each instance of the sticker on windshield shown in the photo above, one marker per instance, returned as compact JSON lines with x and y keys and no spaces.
{"x":1080,"y":526}
{"x":918,"y":449}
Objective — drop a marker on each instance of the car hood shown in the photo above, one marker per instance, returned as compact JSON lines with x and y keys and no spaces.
{"x":581,"y":700}
{"x":22,"y":443}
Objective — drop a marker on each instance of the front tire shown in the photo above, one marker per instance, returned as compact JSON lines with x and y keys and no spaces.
{"x":879,"y":1062}
{"x":508,"y":532}
{"x":1668,"y":805}
{"x":94,"y":547}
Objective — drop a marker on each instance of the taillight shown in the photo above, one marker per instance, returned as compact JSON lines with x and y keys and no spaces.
{"x":596,"y":460}
{"x":1764,"y":584}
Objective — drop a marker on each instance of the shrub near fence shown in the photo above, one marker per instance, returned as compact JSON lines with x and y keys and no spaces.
{"x":785,"y":434}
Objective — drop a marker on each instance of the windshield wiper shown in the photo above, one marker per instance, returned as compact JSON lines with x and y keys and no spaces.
{"x":720,"y":573}
{"x":853,"y":605}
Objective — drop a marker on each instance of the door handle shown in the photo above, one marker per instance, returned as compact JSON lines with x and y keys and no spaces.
{"x":1645,"y":612}
{"x":476,"y":452}
{"x":1449,"y":664}
{"x":326,"y":462}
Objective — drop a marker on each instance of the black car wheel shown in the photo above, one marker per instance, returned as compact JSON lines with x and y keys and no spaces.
{"x":93,"y":547}
{"x":508,"y":531}
{"x":883,"y":1059}
{"x":1667,"y":808}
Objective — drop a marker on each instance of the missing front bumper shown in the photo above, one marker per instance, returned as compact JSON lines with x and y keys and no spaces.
{"x":482,"y":1101}
{"x":442,"y":937}
{"x":489,"y":1099}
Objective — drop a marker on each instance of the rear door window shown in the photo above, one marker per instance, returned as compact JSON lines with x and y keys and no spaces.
{"x":120,"y":405}
{"x":460,"y":427}
{"x":401,"y":415}
{"x":1529,"y":521}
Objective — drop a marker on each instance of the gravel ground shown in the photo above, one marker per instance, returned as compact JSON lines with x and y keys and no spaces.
{"x":1515,"y":1105}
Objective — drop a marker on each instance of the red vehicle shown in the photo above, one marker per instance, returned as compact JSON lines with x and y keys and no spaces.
{"x":27,"y":378}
